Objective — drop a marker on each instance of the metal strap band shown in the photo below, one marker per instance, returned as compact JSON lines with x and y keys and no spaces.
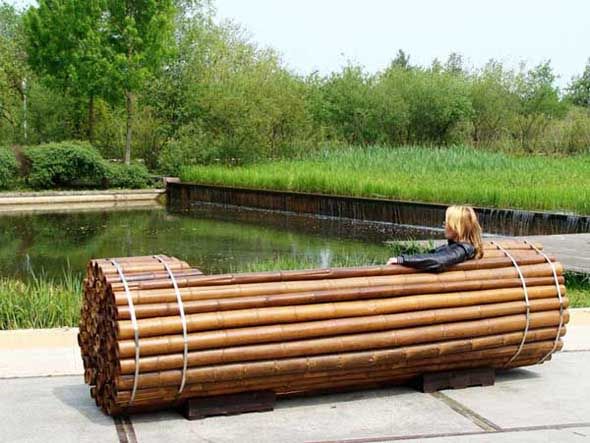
{"x":526,"y":301}
{"x":182,"y":319}
{"x":133,"y":324}
{"x":559,"y":296}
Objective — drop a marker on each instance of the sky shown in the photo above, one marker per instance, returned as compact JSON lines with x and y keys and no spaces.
{"x":323,"y":35}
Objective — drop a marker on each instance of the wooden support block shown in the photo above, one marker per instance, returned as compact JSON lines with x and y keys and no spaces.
{"x":459,"y":379}
{"x":259,"y":401}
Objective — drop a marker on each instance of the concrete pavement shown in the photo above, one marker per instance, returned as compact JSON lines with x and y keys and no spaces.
{"x":542,"y":403}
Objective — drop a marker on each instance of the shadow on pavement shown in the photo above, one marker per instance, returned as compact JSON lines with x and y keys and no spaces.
{"x":77,"y":396}
{"x":515,"y":374}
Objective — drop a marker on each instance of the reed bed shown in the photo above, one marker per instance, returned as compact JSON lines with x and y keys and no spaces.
{"x":470,"y":176}
{"x":155,"y":332}
{"x":40,"y":302}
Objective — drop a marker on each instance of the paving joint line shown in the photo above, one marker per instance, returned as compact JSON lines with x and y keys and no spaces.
{"x":386,"y":438}
{"x":125,"y":430}
{"x":468,"y":413}
{"x":120,"y":430}
{"x":22,"y":377}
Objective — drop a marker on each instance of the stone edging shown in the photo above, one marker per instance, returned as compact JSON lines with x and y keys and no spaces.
{"x":49,"y":197}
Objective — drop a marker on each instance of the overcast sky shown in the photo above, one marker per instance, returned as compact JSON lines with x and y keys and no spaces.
{"x":323,"y":34}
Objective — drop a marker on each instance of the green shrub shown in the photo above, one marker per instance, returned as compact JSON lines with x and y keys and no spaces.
{"x":123,"y":176}
{"x":175,"y":155}
{"x":8,"y":168}
{"x":64,"y":164}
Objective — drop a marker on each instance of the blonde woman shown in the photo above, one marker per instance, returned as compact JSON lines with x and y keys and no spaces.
{"x":463,"y":234}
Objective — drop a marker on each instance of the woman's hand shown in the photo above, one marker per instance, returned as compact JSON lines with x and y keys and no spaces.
{"x":392,"y":261}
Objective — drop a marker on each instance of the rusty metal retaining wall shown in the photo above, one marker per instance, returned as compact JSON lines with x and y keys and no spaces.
{"x":183,"y":196}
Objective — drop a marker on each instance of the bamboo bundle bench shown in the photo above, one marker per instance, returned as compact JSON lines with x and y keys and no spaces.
{"x":156,"y":333}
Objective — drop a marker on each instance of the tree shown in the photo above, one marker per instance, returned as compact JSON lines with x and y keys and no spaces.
{"x":454,"y":64}
{"x":401,"y":60}
{"x":13,"y":68}
{"x":66,"y":44}
{"x":438,"y":104}
{"x":494,"y":103}
{"x":578,"y":90}
{"x":539,"y":102}
{"x":139,"y":36}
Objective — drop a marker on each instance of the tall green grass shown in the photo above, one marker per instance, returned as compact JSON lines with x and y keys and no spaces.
{"x":578,"y":289}
{"x":40,"y":302}
{"x":451,"y":175}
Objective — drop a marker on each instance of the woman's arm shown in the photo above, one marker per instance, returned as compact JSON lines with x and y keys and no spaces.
{"x":438,"y":260}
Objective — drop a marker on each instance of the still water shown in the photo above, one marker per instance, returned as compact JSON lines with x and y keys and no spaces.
{"x":215,"y":239}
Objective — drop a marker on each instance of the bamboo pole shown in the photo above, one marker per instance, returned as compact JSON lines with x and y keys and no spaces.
{"x":194,"y":278}
{"x":290,"y":314}
{"x":349,"y":360}
{"x":497,"y":358}
{"x":122,"y":312}
{"x":346,"y":343}
{"x":541,"y":269}
{"x":272,"y":333}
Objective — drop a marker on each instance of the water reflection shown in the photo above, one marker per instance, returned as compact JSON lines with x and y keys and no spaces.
{"x":214,"y":239}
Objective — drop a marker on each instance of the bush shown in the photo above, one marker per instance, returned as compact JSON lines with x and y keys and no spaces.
{"x":123,"y":176}
{"x":8,"y":168}
{"x":65,"y":164}
{"x":175,"y":155}
{"x":570,"y":135}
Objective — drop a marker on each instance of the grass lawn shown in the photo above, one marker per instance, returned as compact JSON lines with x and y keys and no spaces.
{"x":453,"y":175}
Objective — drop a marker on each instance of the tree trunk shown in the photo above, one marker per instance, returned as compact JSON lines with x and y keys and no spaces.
{"x":91,"y":118}
{"x":129,"y":106}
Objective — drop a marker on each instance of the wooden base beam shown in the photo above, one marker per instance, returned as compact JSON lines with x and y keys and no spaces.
{"x":459,"y":379}
{"x":230,"y":404}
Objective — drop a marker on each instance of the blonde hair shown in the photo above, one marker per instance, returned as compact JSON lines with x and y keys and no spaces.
{"x":462,"y":220}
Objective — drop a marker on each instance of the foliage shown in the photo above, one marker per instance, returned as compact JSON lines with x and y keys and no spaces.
{"x":111,"y":133}
{"x":13,"y":72}
{"x":570,"y":135}
{"x":130,"y":176}
{"x":180,"y":82}
{"x":105,"y":49}
{"x":438,"y":103}
{"x":40,"y":303}
{"x":399,"y":247}
{"x":538,"y":103}
{"x":229,"y":101}
{"x":139,"y":34}
{"x":360,"y":109}
{"x":470,"y":176}
{"x":578,"y":289}
{"x":176,"y":155}
{"x":8,"y":168}
{"x":579,"y":89}
{"x":494,"y":104}
{"x":65,"y":44}
{"x":65,"y":164}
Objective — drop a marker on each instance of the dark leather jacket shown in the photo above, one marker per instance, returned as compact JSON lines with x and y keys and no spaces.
{"x":440,"y":258}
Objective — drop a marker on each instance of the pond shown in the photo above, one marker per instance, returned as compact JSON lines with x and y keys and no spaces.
{"x":216,"y":239}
